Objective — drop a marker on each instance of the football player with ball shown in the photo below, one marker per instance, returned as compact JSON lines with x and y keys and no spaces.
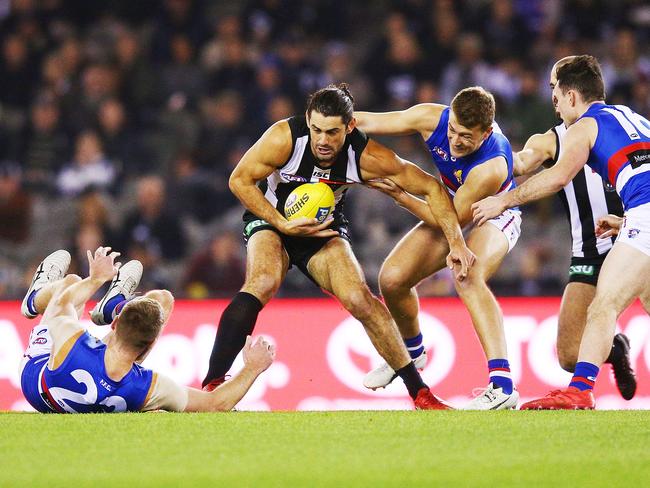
{"x":285,"y":225}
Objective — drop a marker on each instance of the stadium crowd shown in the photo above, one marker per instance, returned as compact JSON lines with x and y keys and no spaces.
{"x":121,"y":121}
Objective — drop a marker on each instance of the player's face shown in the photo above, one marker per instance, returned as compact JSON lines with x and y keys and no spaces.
{"x":327,"y":135}
{"x":552,"y":82}
{"x":564,"y":105}
{"x":463,"y":140}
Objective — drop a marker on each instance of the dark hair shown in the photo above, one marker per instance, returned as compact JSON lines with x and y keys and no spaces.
{"x":139,"y":323}
{"x":583,"y":75}
{"x":332,"y":100}
{"x":474,"y":106}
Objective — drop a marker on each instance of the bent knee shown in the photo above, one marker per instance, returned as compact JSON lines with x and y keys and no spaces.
{"x":358,"y":302}
{"x":264,"y":287}
{"x":391,"y":280}
{"x":71,"y":279}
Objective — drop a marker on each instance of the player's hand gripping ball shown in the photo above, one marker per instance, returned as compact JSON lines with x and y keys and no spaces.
{"x":311,"y":200}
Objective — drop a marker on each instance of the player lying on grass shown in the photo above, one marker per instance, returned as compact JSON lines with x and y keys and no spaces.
{"x":67,"y":370}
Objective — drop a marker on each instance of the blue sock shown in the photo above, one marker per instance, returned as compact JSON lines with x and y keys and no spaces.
{"x":414,"y":345}
{"x":113,"y":307}
{"x":30,"y":303}
{"x":584,"y":376}
{"x":499,"y":371}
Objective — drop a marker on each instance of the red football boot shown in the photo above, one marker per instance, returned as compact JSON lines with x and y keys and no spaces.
{"x":428,"y":401}
{"x":212,"y":385}
{"x":570,"y":399}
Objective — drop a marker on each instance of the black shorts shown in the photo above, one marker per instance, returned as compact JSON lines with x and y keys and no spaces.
{"x":585,"y":270}
{"x":299,"y":249}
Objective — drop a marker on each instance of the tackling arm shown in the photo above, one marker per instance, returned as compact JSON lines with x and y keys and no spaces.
{"x":422,"y":119}
{"x":538,"y":149}
{"x":577,"y":143}
{"x":378,"y":161}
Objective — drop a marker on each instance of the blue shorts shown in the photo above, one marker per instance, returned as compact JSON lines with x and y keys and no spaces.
{"x":29,"y":379}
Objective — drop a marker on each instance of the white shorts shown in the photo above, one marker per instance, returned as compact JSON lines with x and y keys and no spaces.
{"x":40,"y":342}
{"x":635,"y":230}
{"x":509,"y":222}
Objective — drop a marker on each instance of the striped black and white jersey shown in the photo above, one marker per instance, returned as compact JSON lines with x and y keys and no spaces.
{"x":586,"y":198}
{"x":302,"y":167}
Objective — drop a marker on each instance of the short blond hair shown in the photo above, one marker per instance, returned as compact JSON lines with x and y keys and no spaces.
{"x":139,"y":323}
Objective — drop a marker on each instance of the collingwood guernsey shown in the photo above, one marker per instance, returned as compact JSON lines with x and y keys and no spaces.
{"x":587,"y":198}
{"x":303,"y":167}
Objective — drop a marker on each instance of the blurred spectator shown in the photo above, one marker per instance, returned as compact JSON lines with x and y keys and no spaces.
{"x":193,"y":193}
{"x":223,"y":126}
{"x":121,"y":140}
{"x":17,"y":73}
{"x":217,"y":271}
{"x":15,"y":205}
{"x":182,"y":77}
{"x":89,"y":167}
{"x":45,"y":145}
{"x":151,"y":226}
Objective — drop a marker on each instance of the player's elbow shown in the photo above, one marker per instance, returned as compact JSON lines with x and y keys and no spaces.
{"x":560,"y":181}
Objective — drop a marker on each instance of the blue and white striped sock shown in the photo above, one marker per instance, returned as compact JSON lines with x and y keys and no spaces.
{"x":414,"y":346}
{"x":500,"y":374}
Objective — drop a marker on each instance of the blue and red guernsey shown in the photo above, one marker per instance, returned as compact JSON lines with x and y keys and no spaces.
{"x":80,"y":384}
{"x":454,"y":171}
{"x":621,"y":154}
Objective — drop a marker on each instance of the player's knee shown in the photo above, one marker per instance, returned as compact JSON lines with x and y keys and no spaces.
{"x":359,"y":302}
{"x":71,"y":279}
{"x":391,"y":280}
{"x":264,"y":287}
{"x":473,"y":281}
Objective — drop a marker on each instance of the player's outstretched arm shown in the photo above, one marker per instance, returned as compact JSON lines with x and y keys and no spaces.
{"x":378,"y":161}
{"x":422,"y":119}
{"x":538,"y":149}
{"x":577,"y":143}
{"x":270,"y":152}
{"x":258,"y":356}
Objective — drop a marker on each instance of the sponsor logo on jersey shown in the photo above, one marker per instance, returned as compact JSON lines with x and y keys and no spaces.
{"x":295,"y":208}
{"x":459,"y":176}
{"x":637,"y":158}
{"x":296,"y":178}
{"x":441,"y":153}
{"x":321,"y":174}
{"x":40,"y":340}
{"x":581,"y":269}
{"x":632,"y":233}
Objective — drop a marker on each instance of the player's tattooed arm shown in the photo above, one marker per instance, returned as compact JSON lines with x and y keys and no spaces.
{"x":421,"y":119}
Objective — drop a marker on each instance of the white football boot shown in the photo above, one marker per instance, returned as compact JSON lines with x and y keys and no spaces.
{"x":492,"y":398}
{"x":383,"y":375}
{"x":125,"y":283}
{"x":52,"y":268}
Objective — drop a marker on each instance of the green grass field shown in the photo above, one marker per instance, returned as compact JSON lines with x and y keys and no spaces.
{"x":327,"y":449}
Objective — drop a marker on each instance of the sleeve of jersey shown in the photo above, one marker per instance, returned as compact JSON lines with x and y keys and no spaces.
{"x":165,"y":394}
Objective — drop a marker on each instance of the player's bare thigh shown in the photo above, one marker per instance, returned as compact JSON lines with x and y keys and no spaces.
{"x":335,"y":267}
{"x":623,"y":277}
{"x":420,"y":253}
{"x":571,"y":323}
{"x":490,"y":246}
{"x":267,"y":263}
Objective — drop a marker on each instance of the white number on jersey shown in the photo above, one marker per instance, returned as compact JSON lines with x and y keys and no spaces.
{"x":83,"y":377}
{"x":632,"y":123}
